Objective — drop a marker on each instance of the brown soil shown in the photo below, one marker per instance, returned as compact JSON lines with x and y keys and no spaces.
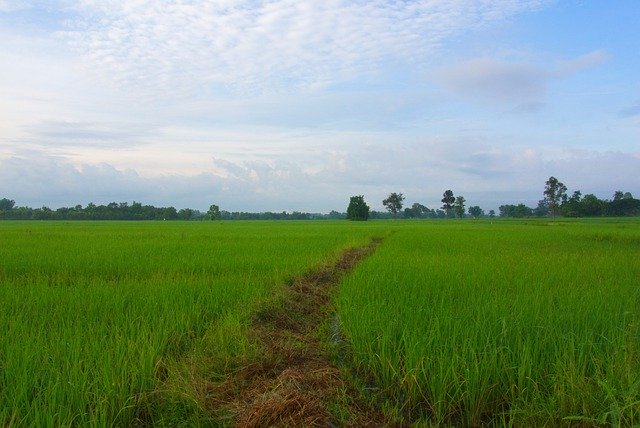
{"x":294,"y":380}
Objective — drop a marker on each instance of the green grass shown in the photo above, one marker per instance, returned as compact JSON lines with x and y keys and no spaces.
{"x":515,"y":323}
{"x":94,"y":313}
{"x":454,"y":322}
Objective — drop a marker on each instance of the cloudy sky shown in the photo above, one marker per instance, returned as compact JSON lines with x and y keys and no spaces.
{"x":278,"y":105}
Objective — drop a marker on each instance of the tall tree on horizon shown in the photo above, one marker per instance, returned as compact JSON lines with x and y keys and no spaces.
{"x":447,"y":202}
{"x":459,"y":206}
{"x":554,"y":193}
{"x":393,"y":203}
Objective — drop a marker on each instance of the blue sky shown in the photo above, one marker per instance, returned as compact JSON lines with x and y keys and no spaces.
{"x":297,"y":105}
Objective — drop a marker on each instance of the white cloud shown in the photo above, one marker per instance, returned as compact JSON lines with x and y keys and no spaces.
{"x":486,"y":174}
{"x":278,"y":104}
{"x":175,"y":48}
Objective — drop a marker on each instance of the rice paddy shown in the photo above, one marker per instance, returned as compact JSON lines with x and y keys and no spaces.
{"x":90,"y":311}
{"x":505,"y":323}
{"x":447,"y":323}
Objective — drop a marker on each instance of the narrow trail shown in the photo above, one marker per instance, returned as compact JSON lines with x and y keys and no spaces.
{"x":295,"y":378}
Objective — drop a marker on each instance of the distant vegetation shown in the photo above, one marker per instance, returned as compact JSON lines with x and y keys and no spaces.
{"x":556,"y":202}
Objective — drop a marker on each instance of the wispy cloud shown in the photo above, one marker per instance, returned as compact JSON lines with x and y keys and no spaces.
{"x":88,"y":134}
{"x":13,"y":5}
{"x":583,"y":62}
{"x":521,"y":83}
{"x":630,"y":111}
{"x":173,"y":47}
{"x":496,"y":80}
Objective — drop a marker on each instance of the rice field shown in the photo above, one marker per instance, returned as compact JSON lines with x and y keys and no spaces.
{"x":514,"y":323}
{"x":509,"y":323}
{"x":91,"y":312}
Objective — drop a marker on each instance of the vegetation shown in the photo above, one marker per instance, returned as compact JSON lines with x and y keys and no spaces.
{"x":476,"y":212}
{"x":554,"y":203}
{"x":447,"y":202}
{"x":458,"y":206}
{"x":531,"y":322}
{"x":526,"y":324}
{"x":101,"y":320}
{"x":358,"y":209}
{"x":393,"y":203}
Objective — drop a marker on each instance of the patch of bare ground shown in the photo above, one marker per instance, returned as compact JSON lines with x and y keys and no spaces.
{"x":294,"y":380}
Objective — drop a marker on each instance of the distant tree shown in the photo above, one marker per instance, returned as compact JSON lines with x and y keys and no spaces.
{"x":592,"y":206}
{"x":572,"y":207}
{"x":492,"y":213}
{"x":516,"y":211}
{"x":475,"y":211}
{"x":623,"y":204}
{"x":542,"y":209}
{"x":185,"y":214}
{"x":447,"y":202}
{"x":416,"y":211}
{"x":214,"y":212}
{"x":335,"y":215}
{"x":459,"y":206}
{"x":393,"y":203}
{"x":358,"y":209}
{"x":555,"y":192}
{"x":7,"y":204}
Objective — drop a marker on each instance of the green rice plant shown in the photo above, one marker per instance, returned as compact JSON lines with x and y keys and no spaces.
{"x":92,"y":313}
{"x":501,"y":322}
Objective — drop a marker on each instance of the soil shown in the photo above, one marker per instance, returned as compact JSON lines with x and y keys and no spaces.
{"x":295,"y":381}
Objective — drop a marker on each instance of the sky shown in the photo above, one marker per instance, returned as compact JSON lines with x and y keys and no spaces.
{"x":273,"y":105}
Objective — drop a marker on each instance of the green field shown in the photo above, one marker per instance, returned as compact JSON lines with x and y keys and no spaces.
{"x":91,"y":313}
{"x":516,"y":323}
{"x":448,"y":322}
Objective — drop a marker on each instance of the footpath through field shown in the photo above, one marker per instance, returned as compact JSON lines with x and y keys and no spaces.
{"x":295,"y":380}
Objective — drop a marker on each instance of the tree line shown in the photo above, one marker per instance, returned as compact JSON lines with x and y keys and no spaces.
{"x":555,"y":202}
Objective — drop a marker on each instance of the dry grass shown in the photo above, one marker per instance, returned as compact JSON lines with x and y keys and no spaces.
{"x":294,"y":378}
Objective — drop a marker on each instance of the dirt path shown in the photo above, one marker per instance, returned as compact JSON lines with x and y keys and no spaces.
{"x":294,"y":379}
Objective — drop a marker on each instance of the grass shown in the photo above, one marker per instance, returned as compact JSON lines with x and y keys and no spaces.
{"x":95,"y":315}
{"x":504,"y":322}
{"x":452,"y":322}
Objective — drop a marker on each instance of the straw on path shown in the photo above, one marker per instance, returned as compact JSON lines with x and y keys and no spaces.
{"x":294,"y":379}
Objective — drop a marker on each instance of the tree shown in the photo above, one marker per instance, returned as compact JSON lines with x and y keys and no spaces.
{"x":554,"y":192}
{"x":214,"y":212}
{"x":573,"y":206}
{"x":476,"y":211}
{"x":492,"y":213}
{"x":459,"y":206}
{"x":542,"y":209}
{"x":358,"y":209}
{"x":7,"y":204}
{"x":393,"y":203}
{"x":623,"y":204}
{"x":592,"y":206}
{"x":447,"y":202}
{"x":517,"y":211}
{"x":416,"y":211}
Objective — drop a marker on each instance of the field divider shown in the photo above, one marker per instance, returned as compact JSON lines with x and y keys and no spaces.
{"x":294,"y":380}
